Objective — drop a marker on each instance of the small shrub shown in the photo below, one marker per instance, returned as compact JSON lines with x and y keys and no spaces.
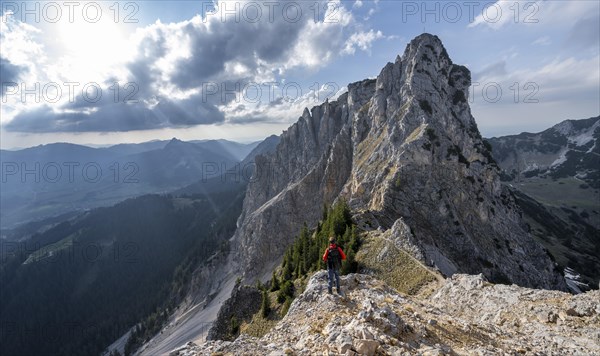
{"x":398,"y":183}
{"x":452,"y":151}
{"x":462,"y":159}
{"x":431,"y":134}
{"x":235,"y":325}
{"x":458,"y":97}
{"x":424,"y":104}
{"x":487,"y":145}
{"x":286,"y":306}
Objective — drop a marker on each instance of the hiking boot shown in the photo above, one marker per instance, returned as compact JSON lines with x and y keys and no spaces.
{"x":339,"y":291}
{"x":329,"y":290}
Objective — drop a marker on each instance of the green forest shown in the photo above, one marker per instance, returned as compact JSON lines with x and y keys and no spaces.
{"x":304,"y":257}
{"x":80,"y":285}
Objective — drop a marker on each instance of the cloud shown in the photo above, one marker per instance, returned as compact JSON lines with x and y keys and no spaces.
{"x":537,"y":97}
{"x":20,"y":50}
{"x":572,"y":78}
{"x":541,"y":14}
{"x":501,"y":13}
{"x":361,"y":40}
{"x":9,"y":73}
{"x":577,"y":77}
{"x":497,"y":69}
{"x":542,"y":41}
{"x":190,"y":72}
{"x":20,"y":41}
{"x":357,"y":4}
{"x":283,"y":109}
{"x":107,"y":116}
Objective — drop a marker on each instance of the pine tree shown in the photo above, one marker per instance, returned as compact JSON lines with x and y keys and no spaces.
{"x":325,"y":212}
{"x":349,"y":265}
{"x":354,"y":239}
{"x":345,"y":240}
{"x":265,"y":308}
{"x":286,"y":290}
{"x":288,"y":268}
{"x":274,"y":282}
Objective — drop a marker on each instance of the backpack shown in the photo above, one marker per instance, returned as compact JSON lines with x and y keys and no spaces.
{"x":334,"y":259}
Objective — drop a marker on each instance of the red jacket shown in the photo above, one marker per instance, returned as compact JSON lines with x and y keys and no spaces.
{"x":334,"y":246}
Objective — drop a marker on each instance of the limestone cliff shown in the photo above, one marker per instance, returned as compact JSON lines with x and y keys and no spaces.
{"x":405,"y":152}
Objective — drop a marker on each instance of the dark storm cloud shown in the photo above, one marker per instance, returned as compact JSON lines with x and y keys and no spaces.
{"x":9,"y":73}
{"x":268,"y":40}
{"x":209,"y":45}
{"x":117,"y":116}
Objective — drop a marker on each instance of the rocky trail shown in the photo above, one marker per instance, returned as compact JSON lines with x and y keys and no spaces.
{"x":465,"y":316}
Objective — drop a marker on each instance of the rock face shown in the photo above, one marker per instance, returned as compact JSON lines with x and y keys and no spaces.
{"x":405,"y":152}
{"x":466,"y":316}
{"x":244,"y":302}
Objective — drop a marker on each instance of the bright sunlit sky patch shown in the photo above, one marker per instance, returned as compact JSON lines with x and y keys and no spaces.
{"x":104,"y":72}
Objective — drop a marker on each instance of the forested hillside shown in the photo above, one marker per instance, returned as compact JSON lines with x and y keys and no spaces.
{"x":80,"y":285}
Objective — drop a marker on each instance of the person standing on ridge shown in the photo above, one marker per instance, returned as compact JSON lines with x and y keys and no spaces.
{"x":333,"y":257}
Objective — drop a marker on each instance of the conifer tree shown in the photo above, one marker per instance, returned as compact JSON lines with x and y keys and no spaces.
{"x":265,"y":308}
{"x":274,"y":282}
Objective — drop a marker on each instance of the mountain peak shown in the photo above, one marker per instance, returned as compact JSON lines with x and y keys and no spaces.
{"x":405,"y":152}
{"x":426,"y":36}
{"x":175,"y":142}
{"x":428,"y":43}
{"x":569,"y":127}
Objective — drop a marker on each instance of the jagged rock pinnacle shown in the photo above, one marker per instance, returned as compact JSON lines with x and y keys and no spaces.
{"x":402,"y":149}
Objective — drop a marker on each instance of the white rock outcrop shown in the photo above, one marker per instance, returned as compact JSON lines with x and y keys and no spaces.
{"x":466,"y":316}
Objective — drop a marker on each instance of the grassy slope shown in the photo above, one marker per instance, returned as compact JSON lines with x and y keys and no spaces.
{"x":562,"y":192}
{"x":394,"y":266}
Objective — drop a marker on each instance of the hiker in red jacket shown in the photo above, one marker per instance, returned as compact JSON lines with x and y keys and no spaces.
{"x":334,"y":256}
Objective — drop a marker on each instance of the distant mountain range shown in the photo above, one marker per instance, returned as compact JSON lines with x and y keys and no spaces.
{"x":568,"y":149}
{"x":556,"y":177}
{"x":240,"y":173}
{"x":49,"y":180}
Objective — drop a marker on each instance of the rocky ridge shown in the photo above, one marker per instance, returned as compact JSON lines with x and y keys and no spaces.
{"x":466,"y":315}
{"x":403,"y":150}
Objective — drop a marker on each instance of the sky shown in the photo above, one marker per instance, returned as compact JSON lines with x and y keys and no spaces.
{"x":107,"y":72}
